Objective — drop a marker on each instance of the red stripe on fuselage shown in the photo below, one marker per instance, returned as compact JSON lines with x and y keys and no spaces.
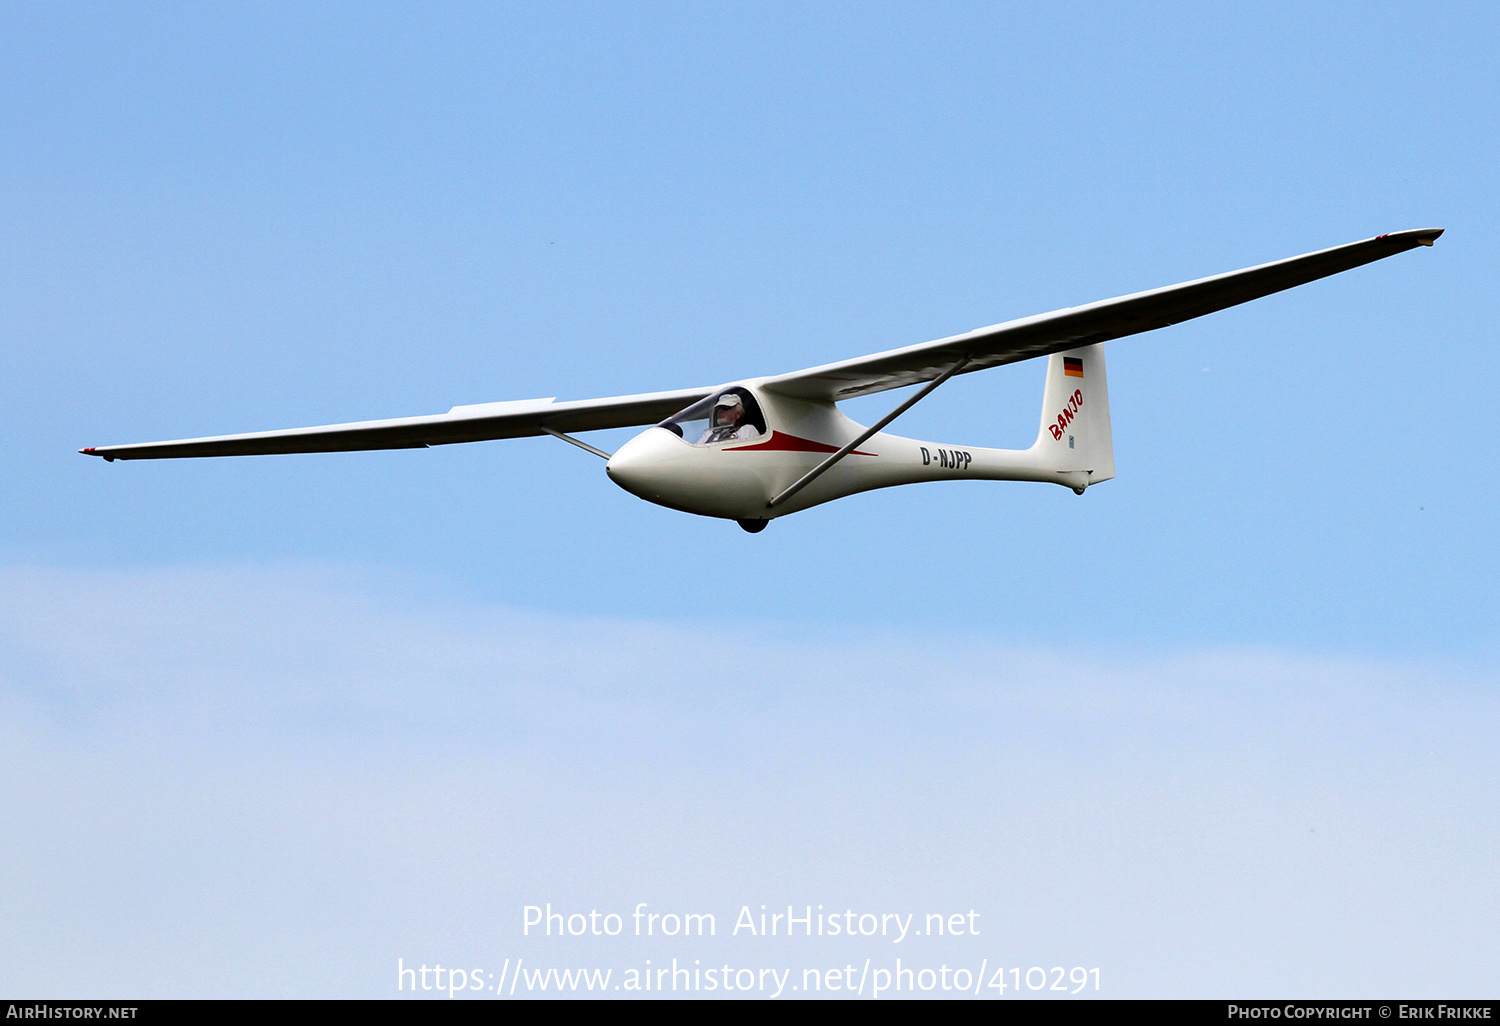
{"x":781,"y":442}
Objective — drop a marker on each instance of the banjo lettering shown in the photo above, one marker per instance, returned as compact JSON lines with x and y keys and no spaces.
{"x":1075,"y":403}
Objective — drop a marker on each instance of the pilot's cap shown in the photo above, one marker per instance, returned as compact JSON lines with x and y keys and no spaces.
{"x":729,"y":399}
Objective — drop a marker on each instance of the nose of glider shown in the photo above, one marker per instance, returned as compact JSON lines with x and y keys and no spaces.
{"x":638,"y":466}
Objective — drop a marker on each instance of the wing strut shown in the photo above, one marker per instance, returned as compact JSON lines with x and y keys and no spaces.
{"x":816,"y":472}
{"x":574,"y":441}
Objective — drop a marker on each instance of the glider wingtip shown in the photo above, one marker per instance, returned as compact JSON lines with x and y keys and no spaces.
{"x":92,"y":451}
{"x":1421,"y":236}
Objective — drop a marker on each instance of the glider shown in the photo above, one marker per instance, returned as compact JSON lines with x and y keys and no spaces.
{"x":757,"y":449}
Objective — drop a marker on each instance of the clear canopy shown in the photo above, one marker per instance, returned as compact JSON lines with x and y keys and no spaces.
{"x":730,"y":415}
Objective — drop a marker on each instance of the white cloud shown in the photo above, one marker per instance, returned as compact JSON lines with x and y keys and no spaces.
{"x":277,"y":782}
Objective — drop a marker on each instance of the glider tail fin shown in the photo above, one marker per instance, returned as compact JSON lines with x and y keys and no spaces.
{"x":1075,"y":438}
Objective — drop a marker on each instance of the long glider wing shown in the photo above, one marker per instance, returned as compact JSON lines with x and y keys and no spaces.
{"x":460,"y":424}
{"x":1076,"y":326}
{"x":999,"y":344}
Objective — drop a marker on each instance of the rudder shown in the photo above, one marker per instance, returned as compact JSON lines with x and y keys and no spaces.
{"x":1075,"y":434}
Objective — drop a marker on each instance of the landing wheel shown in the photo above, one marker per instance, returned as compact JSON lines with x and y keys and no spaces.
{"x":753,"y":526}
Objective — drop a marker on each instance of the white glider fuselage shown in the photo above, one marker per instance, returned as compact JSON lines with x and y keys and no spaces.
{"x":738,"y":479}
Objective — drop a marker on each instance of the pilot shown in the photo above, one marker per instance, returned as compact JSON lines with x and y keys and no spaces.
{"x":728,"y":421}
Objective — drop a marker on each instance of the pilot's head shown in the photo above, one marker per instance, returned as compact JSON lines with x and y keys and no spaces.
{"x":729,"y":410}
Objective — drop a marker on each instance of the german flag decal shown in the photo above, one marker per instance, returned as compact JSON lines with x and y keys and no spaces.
{"x":1072,"y":367}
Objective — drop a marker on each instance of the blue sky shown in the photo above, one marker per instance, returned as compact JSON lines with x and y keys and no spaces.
{"x":218,"y":220}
